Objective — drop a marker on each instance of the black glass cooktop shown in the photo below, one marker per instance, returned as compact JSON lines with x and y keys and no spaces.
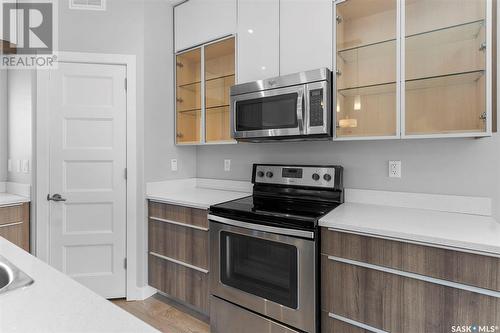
{"x":285,"y":212}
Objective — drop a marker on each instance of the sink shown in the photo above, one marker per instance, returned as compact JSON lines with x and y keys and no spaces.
{"x":11,"y":277}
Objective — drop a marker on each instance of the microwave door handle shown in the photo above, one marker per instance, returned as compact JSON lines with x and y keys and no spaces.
{"x":300,"y":111}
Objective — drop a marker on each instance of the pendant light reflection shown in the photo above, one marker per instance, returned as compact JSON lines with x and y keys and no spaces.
{"x":357,"y":102}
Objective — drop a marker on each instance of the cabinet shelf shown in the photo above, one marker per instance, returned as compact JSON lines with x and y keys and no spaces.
{"x":189,"y":111}
{"x":220,"y":77}
{"x":188,"y":85}
{"x":444,"y":80}
{"x":436,"y":37}
{"x":214,"y":107}
{"x":349,"y":54}
{"x":372,"y":89}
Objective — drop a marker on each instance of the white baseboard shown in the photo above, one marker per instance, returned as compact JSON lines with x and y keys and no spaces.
{"x":141,"y":293}
{"x":438,"y":202}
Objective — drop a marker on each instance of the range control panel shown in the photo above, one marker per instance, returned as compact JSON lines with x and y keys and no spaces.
{"x":311,"y":176}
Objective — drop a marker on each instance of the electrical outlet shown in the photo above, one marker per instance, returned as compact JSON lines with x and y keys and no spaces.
{"x":395,"y":169}
{"x":173,"y":164}
{"x":227,"y":165}
{"x":25,"y":166}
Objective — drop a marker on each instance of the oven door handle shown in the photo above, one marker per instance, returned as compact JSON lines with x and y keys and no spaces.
{"x":263,"y":228}
{"x":300,"y":110}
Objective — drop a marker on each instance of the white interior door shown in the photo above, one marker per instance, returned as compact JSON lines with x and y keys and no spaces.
{"x":87,"y":168}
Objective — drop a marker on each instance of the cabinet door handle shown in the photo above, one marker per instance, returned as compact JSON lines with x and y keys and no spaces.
{"x":56,"y":197}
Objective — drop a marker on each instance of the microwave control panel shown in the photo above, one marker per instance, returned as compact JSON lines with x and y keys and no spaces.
{"x":316,"y":107}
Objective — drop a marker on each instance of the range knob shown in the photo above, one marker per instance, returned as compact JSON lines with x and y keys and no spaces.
{"x":269,"y":174}
{"x":260,"y":174}
{"x":327,"y":177}
{"x":315,"y":176}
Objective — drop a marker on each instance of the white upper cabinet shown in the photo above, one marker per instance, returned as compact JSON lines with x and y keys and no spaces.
{"x":305,"y":35}
{"x":200,"y":21}
{"x":258,"y":39}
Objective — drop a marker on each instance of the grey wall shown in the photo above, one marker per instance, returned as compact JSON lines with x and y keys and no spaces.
{"x":20,"y":97}
{"x":3,"y":125}
{"x":444,"y":166}
{"x":142,"y":28}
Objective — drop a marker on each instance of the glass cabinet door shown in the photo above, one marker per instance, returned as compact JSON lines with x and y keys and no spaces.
{"x":366,"y":64}
{"x":219,"y":77}
{"x":188,"y":97}
{"x":445,"y":66}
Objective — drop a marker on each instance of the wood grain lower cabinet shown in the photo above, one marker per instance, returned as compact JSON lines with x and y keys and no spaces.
{"x":369,"y":281}
{"x":467,"y":268}
{"x":178,"y":253}
{"x":15,"y":225}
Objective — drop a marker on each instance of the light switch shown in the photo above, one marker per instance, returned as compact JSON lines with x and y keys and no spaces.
{"x":227,"y":165}
{"x":173,"y":164}
{"x":18,"y":165}
{"x":25,"y":166}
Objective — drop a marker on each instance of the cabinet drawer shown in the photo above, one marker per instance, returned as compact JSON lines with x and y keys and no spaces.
{"x":11,"y":214}
{"x":179,"y":214}
{"x":17,"y":234}
{"x":330,"y":325}
{"x":178,"y":242}
{"x":185,"y":284}
{"x":395,"y":303}
{"x":466,"y":268}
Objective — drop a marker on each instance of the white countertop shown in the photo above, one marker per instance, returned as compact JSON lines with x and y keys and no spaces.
{"x":461,"y":231}
{"x":197,"y":193}
{"x":56,"y":303}
{"x":7,"y":199}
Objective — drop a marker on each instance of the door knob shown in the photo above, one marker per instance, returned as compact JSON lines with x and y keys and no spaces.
{"x":55,"y":197}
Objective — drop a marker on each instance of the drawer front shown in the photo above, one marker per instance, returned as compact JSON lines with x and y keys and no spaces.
{"x":330,"y":325}
{"x":178,"y":242}
{"x":395,"y":303}
{"x":185,"y":284}
{"x":179,"y":214}
{"x":466,"y":268}
{"x":228,"y":318}
{"x":11,"y":214}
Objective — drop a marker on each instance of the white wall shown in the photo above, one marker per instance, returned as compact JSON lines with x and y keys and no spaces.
{"x":20,"y":97}
{"x":141,"y":28}
{"x":3,"y":125}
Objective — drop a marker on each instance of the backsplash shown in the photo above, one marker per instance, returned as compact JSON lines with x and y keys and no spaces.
{"x":451,"y":166}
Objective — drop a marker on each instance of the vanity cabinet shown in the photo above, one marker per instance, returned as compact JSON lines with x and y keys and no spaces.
{"x":371,"y":284}
{"x":200,"y":21}
{"x":204,"y":76}
{"x":414,"y":68}
{"x":15,"y":224}
{"x":305,"y":35}
{"x":178,"y":253}
{"x":258,"y":40}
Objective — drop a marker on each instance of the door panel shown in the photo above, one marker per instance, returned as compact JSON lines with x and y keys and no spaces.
{"x":87,"y":167}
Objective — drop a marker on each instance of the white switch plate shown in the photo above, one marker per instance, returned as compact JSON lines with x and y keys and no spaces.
{"x":173,"y":164}
{"x":9,"y":165}
{"x":227,"y":165}
{"x":25,"y":166}
{"x":395,"y":169}
{"x":18,"y":165}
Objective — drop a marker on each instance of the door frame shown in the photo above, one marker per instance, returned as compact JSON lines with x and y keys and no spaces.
{"x":42,"y":159}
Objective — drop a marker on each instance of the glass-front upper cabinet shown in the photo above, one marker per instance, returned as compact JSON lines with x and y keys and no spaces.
{"x":446,"y":78}
{"x":219,"y":77}
{"x":366,"y":69}
{"x":204,"y":76}
{"x":188,"y":97}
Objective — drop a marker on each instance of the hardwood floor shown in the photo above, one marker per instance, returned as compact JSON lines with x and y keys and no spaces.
{"x":166,"y":315}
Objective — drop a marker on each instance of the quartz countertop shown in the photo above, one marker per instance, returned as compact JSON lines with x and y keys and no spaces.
{"x":7,"y":199}
{"x":464,"y":232}
{"x":197,"y":193}
{"x":56,"y":303}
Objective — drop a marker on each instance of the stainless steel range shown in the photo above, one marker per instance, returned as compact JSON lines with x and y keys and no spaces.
{"x":264,"y":250}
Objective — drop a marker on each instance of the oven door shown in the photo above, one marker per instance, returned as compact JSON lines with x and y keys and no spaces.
{"x":267,"y":272}
{"x":269,"y":113}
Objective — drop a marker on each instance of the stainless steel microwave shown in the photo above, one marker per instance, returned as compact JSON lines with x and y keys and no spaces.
{"x":291,"y":107}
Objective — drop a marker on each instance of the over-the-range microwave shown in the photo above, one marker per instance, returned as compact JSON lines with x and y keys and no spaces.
{"x":290,"y":107}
